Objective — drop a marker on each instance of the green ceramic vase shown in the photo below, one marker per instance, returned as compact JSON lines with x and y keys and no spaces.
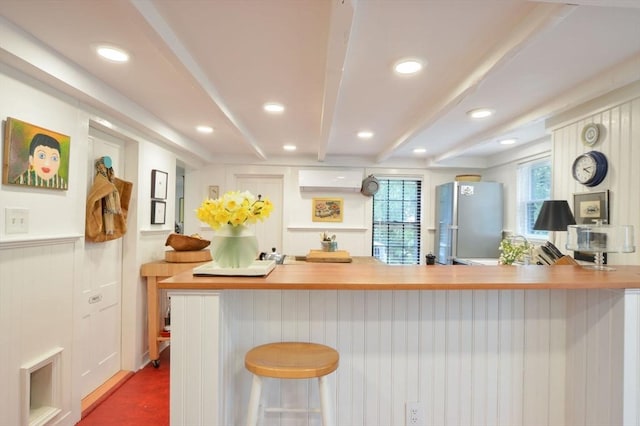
{"x":234,"y":246}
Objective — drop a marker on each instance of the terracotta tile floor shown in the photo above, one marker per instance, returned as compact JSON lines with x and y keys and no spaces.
{"x":142,"y":400}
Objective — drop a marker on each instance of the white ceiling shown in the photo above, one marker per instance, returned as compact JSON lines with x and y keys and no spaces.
{"x":329,"y":62}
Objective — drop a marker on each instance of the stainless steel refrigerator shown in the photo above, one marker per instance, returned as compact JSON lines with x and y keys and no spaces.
{"x":469,"y":218}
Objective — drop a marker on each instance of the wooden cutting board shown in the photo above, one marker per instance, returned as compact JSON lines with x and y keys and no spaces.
{"x":338,"y":256}
{"x":173,"y":256}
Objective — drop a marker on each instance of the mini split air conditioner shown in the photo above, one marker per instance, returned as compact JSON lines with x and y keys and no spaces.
{"x":330,"y":180}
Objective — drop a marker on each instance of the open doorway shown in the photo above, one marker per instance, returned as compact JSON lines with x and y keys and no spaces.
{"x":179,"y":225}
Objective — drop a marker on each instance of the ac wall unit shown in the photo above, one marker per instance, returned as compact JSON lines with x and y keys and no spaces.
{"x":330,"y":180}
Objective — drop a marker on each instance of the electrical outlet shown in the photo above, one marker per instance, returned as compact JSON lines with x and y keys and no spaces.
{"x":414,"y":415}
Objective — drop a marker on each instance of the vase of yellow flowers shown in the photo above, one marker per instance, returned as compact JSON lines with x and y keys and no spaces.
{"x":234,"y":244}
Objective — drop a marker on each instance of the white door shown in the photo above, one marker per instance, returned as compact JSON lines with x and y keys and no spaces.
{"x":269,"y":232}
{"x":102,"y":286}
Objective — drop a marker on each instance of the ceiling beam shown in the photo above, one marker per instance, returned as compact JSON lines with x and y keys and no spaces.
{"x":542,"y":17}
{"x":553,"y":111}
{"x":166,"y":33}
{"x":337,"y":46}
{"x":30,"y":56}
{"x":599,"y":3}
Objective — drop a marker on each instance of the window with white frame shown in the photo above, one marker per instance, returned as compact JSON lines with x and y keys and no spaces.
{"x":396,"y":221}
{"x":534,"y":186}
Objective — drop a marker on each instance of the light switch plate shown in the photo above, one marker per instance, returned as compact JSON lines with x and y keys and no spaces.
{"x":16,"y":221}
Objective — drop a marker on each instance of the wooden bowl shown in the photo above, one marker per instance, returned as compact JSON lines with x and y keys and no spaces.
{"x":181,"y":242}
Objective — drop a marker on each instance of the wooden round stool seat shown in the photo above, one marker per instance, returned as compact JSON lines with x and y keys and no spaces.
{"x":292,"y":360}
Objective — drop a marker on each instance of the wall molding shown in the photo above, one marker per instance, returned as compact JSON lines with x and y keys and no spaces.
{"x":326,"y":226}
{"x":39,"y":241}
{"x":145,"y":232}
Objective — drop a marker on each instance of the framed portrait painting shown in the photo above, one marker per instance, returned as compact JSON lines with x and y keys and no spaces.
{"x":35,"y":157}
{"x":326,"y":210}
{"x":587,"y":208}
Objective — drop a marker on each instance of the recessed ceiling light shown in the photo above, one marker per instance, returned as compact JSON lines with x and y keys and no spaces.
{"x":365,"y":134}
{"x":509,"y":141}
{"x":105,"y":123}
{"x":204,"y":129}
{"x":408,"y":66}
{"x":419,"y":150}
{"x":481,"y":113}
{"x":289,"y":147}
{"x":273,"y":107}
{"x":112,"y":53}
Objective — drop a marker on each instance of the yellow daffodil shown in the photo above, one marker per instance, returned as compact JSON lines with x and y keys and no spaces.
{"x":234,"y":208}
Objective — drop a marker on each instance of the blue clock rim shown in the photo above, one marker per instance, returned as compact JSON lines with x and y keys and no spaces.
{"x":602,"y":167}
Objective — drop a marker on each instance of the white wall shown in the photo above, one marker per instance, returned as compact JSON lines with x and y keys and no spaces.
{"x":41,"y":271}
{"x":618,"y":113}
{"x":505,"y":170}
{"x":37,"y":277}
{"x":300,"y":233}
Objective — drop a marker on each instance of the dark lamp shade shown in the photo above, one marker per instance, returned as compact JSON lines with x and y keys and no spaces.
{"x":555,"y":215}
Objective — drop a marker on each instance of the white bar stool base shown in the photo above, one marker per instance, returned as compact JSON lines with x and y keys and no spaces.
{"x":326,"y":408}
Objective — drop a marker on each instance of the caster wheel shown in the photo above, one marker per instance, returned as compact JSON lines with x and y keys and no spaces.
{"x":155,"y":363}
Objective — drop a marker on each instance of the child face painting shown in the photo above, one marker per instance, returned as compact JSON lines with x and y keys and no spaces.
{"x":45,"y":161}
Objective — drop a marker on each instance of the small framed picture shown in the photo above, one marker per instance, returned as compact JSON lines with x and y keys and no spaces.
{"x":159,"y":184}
{"x":326,"y":210}
{"x":158,"y":212}
{"x":214,"y":191}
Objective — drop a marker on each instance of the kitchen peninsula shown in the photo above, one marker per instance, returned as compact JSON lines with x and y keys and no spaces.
{"x":495,"y":344}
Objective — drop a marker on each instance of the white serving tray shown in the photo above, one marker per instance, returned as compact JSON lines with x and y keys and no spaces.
{"x":258,"y":268}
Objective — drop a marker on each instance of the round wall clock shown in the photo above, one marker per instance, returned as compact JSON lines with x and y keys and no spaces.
{"x":590,"y":168}
{"x":590,"y":134}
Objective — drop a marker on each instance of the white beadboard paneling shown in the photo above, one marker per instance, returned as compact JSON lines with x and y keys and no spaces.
{"x":631,"y":338}
{"x":480,"y":383}
{"x":594,"y":361}
{"x":576,"y":360}
{"x":504,"y":357}
{"x":195,"y":348}
{"x":371,"y":364}
{"x":620,"y":143}
{"x":36,"y":302}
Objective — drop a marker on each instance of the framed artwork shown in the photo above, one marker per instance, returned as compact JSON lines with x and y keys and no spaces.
{"x":35,"y":157}
{"x":181,"y":210}
{"x":587,"y":208}
{"x":159,"y":184}
{"x":326,"y":209}
{"x":214,"y":191}
{"x":158,"y":212}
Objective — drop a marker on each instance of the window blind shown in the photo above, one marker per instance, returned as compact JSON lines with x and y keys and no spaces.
{"x":396,"y":222}
{"x":534,"y":187}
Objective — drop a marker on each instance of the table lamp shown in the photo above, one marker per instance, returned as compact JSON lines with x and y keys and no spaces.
{"x":555,"y":215}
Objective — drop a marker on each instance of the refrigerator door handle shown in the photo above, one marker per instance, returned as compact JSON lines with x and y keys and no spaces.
{"x":454,"y":243}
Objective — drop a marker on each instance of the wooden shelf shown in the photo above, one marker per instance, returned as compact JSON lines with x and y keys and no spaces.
{"x":154,"y":272}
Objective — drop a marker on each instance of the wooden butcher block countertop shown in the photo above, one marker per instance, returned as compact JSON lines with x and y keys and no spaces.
{"x":378,"y":276}
{"x":320,"y":256}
